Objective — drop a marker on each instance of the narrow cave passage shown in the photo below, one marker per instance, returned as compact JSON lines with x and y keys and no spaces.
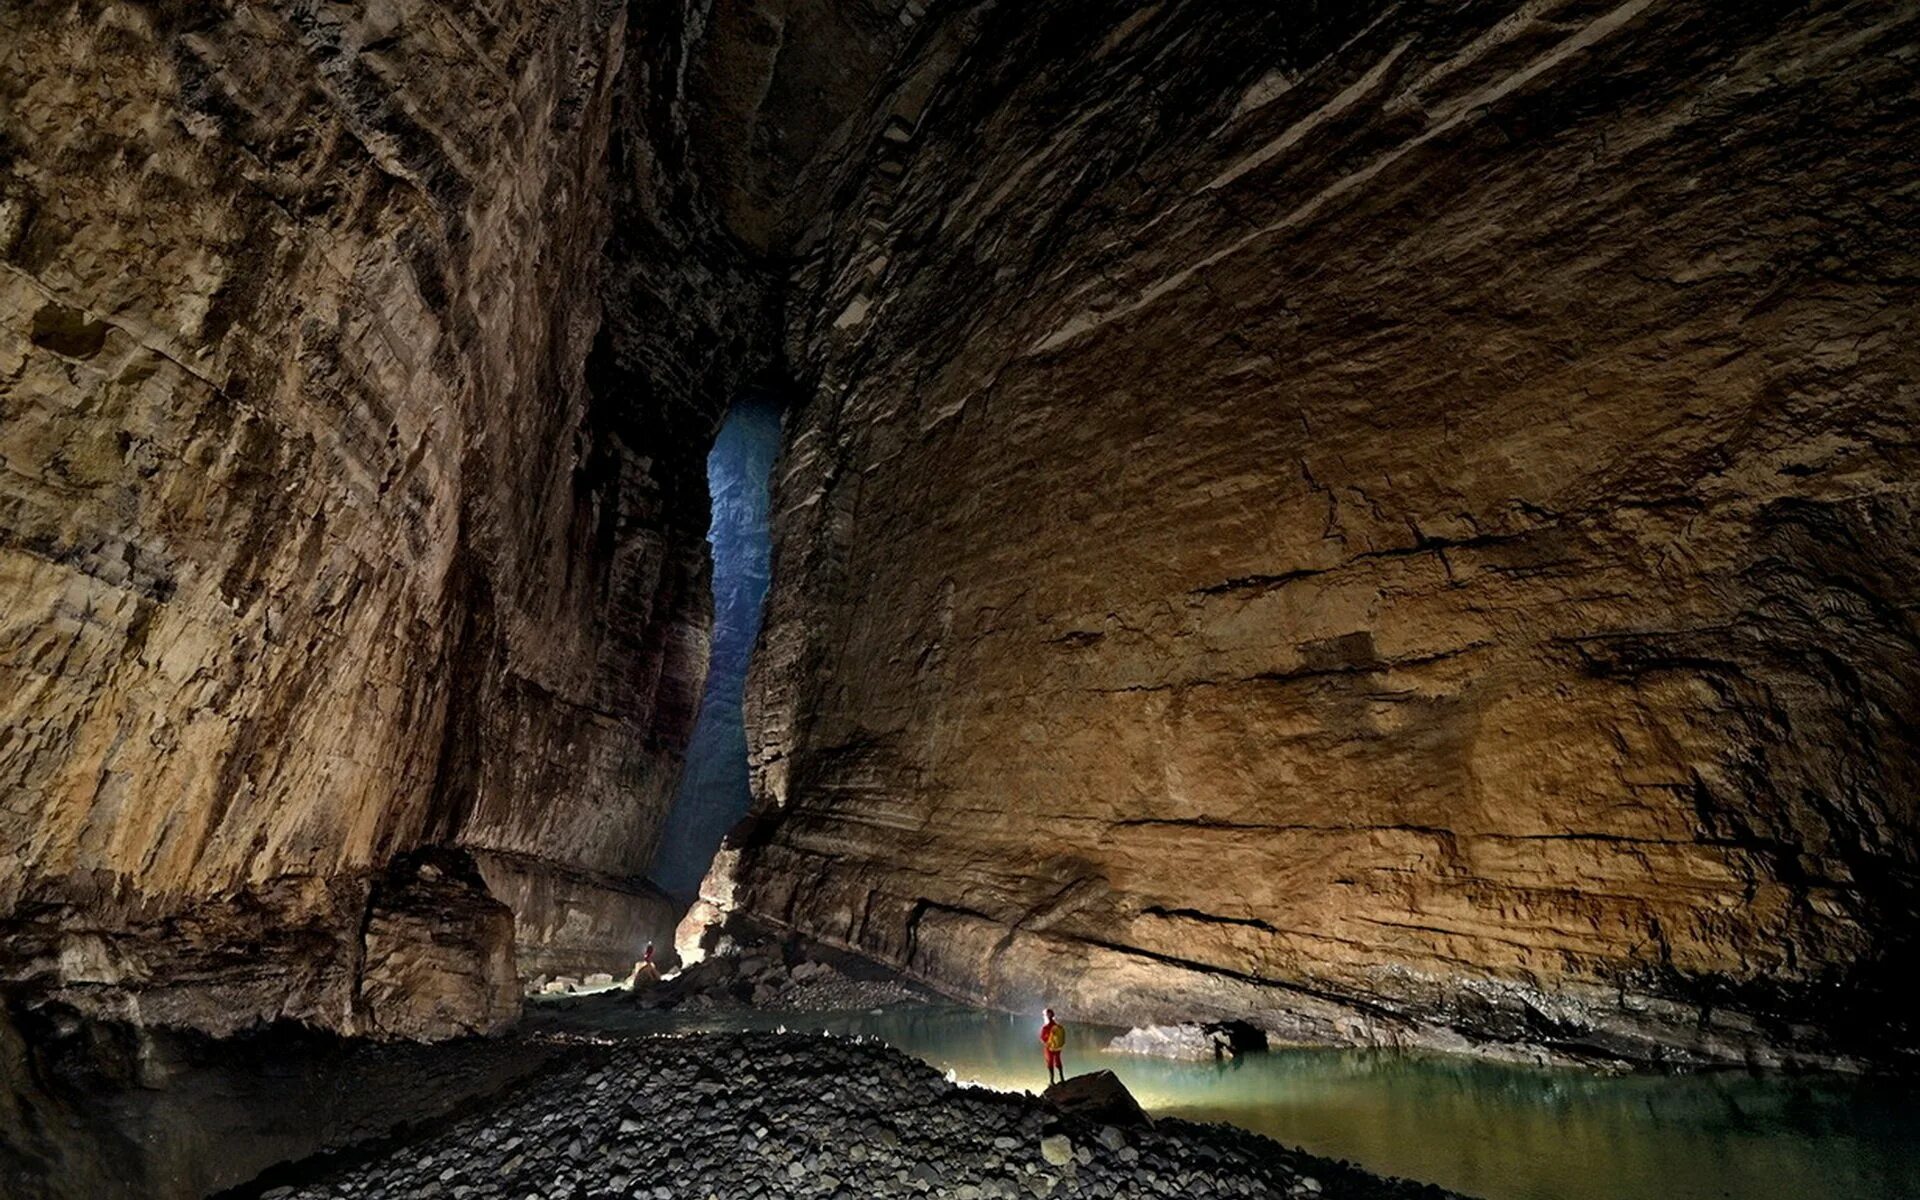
{"x":713,"y":786}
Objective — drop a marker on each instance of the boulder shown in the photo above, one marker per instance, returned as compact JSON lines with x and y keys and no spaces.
{"x":1192,"y":1042}
{"x":1235,"y":1038}
{"x":1099,"y":1097}
{"x":810,"y":972}
{"x":1185,"y":1042}
{"x":438,"y":952}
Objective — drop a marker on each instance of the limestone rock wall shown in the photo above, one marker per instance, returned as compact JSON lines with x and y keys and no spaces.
{"x":1395,"y":521}
{"x":570,"y":922}
{"x":337,"y":513}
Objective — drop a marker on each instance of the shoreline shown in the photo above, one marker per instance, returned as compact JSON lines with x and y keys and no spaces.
{"x":792,"y":1115}
{"x":382,"y":1102}
{"x":1513,"y":1025}
{"x":781,"y":958}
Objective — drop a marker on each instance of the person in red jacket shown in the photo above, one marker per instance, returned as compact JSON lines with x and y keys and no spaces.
{"x":1053,"y":1039}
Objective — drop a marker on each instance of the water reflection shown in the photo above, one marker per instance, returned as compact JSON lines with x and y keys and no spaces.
{"x":1492,"y":1130}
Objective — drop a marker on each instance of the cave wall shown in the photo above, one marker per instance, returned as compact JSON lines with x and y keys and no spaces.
{"x":338,"y":520}
{"x":570,"y":922}
{"x":1395,"y":521}
{"x":358,"y":365}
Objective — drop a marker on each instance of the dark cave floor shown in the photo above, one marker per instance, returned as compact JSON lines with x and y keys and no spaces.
{"x":781,"y":1116}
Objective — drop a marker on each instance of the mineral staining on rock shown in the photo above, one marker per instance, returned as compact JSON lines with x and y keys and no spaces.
{"x":1395,"y":524}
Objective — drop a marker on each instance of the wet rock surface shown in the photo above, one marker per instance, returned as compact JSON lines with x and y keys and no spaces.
{"x":725,"y":1116}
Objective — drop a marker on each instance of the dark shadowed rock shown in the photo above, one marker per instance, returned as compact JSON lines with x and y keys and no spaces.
{"x":1099,"y":1097}
{"x":1234,"y":1038}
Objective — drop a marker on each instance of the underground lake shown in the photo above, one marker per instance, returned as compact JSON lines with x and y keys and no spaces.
{"x":1494,"y":1130}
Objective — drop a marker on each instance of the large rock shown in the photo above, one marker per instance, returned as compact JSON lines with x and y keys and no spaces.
{"x":1397,"y":522}
{"x":439,"y":953}
{"x":1191,"y":1043}
{"x":1099,"y":1097}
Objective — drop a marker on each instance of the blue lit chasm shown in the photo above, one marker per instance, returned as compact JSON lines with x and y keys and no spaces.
{"x":713,"y":788}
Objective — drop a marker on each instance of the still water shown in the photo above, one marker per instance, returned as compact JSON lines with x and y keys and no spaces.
{"x":1492,"y":1130}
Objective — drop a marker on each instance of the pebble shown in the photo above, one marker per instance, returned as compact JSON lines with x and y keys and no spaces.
{"x":801,"y":1117}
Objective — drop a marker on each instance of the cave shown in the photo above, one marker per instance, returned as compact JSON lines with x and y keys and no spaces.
{"x":1384,"y":532}
{"x":715,"y":793}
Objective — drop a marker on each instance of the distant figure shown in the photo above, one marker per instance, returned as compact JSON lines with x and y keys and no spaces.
{"x":1053,"y":1039}
{"x":645,"y":968}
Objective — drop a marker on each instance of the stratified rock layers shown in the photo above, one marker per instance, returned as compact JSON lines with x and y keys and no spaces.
{"x":333,"y":523}
{"x":1400,"y":524}
{"x":575,"y":923}
{"x":1396,"y":521}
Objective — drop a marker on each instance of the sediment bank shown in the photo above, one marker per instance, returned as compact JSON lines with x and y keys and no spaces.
{"x":789,"y":1116}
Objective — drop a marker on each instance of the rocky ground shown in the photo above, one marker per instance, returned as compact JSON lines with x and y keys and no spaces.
{"x":788,"y":1116}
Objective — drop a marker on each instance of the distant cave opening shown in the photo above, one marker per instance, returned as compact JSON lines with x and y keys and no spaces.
{"x":713,"y":793}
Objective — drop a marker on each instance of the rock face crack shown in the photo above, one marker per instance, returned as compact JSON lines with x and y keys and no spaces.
{"x":1422,"y":486}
